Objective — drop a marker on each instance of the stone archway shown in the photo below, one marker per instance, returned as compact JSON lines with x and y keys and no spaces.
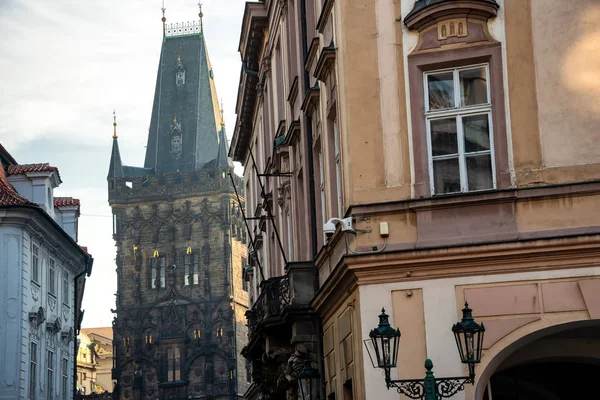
{"x":554,"y":363}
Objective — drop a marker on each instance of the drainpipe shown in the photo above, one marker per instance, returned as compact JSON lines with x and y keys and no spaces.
{"x":87,"y":271}
{"x":312,"y":199}
{"x":309,"y":142}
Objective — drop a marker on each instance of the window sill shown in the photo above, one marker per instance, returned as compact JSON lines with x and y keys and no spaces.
{"x":36,"y":283}
{"x":172,"y":384}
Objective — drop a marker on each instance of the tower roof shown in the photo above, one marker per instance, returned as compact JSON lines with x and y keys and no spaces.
{"x":115,"y":170}
{"x":186,"y":119}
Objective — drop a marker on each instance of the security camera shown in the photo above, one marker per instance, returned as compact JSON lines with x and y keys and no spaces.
{"x":329,"y":229}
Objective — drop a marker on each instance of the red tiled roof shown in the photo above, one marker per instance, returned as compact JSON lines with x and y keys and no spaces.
{"x":24,"y":168}
{"x":8,"y":195}
{"x":84,"y":248}
{"x":66,"y":202}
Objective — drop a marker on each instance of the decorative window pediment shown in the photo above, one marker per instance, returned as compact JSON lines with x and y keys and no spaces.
{"x":442,"y":23}
{"x":429,"y":12}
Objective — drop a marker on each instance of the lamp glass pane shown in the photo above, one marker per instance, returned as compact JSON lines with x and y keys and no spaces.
{"x":370,"y":346}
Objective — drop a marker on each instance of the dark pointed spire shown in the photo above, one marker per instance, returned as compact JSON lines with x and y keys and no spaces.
{"x":184,"y":85}
{"x":115,"y":170}
{"x":222,"y":154}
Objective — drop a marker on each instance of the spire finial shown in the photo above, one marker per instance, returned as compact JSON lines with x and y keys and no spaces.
{"x":175,"y":118}
{"x":163,"y":19}
{"x":222,"y":117}
{"x":114,"y":124}
{"x":201,"y":15}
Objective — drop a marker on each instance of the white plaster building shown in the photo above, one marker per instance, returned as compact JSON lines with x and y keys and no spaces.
{"x":42,"y":271}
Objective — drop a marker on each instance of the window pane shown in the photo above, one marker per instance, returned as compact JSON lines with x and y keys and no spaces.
{"x":153,"y":273}
{"x":479,"y":172}
{"x":473,"y":86}
{"x":446,"y":176}
{"x":477,"y":133}
{"x":441,"y":90}
{"x":443,"y":136}
{"x":186,"y":268}
{"x":196,"y":278}
{"x":162,"y":272}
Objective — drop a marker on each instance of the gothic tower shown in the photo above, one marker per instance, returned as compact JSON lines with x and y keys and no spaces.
{"x":181,"y":301}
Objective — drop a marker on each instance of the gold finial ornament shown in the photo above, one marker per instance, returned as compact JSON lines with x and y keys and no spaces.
{"x":178,"y":58}
{"x":163,"y":19}
{"x":201,"y":15}
{"x":114,"y":124}
{"x":222,"y":116}
{"x":156,"y":255}
{"x":188,"y":250}
{"x":175,"y":118}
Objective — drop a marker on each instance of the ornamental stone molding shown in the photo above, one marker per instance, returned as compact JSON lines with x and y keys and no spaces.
{"x":37,"y":317}
{"x":426,"y":13}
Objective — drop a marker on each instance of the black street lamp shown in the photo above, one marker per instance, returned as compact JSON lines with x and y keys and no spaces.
{"x":308,"y":381}
{"x":382,"y":347}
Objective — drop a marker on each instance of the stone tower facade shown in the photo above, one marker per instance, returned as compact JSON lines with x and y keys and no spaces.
{"x":181,"y":300}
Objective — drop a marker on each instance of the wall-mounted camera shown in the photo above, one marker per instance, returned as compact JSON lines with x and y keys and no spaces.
{"x":330,"y":227}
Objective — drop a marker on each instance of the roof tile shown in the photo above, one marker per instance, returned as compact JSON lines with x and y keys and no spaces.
{"x":8,"y":195}
{"x":66,"y":202}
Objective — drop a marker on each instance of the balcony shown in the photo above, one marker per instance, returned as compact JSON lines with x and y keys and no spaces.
{"x":281,"y":299}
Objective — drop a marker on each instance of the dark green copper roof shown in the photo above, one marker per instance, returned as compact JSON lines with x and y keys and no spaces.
{"x":190,"y":110}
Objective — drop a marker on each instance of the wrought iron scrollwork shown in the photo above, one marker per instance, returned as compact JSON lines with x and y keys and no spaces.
{"x":444,"y":387}
{"x":275,"y":295}
{"x":411,"y":388}
{"x":448,"y":387}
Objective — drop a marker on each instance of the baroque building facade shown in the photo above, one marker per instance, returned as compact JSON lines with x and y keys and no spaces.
{"x":179,"y":320}
{"x":452,"y":144}
{"x":42,"y":277}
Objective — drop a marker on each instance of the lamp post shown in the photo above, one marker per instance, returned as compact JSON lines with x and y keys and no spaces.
{"x":308,"y":381}
{"x":382,"y":347}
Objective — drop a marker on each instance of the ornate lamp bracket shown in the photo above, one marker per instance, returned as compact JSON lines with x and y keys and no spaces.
{"x":429,"y":388}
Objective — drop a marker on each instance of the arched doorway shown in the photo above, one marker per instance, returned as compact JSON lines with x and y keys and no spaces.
{"x":558,"y":364}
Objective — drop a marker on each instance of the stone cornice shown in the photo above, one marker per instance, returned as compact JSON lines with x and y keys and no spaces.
{"x":477,"y":260}
{"x":47,"y":234}
{"x":497,"y":258}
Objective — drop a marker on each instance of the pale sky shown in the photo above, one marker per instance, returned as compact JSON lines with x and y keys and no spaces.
{"x":64,"y":66}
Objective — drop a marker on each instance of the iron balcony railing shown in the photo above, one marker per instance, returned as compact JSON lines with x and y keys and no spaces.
{"x":274,"y":296}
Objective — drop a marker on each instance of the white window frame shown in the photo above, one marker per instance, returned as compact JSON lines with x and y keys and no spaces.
{"x":50,"y":373}
{"x":65,"y":379}
{"x":33,"y":369}
{"x":458,"y":113}
{"x":322,"y":186}
{"x":52,"y":277}
{"x":338,"y":168}
{"x":35,"y":263}
{"x":66,"y":291}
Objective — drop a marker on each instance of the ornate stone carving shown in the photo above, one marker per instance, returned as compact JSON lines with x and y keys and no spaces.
{"x":35,"y":292}
{"x":65,"y":312}
{"x":54,"y":327}
{"x":67,"y":336}
{"x":52,"y":304}
{"x":37,"y":317}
